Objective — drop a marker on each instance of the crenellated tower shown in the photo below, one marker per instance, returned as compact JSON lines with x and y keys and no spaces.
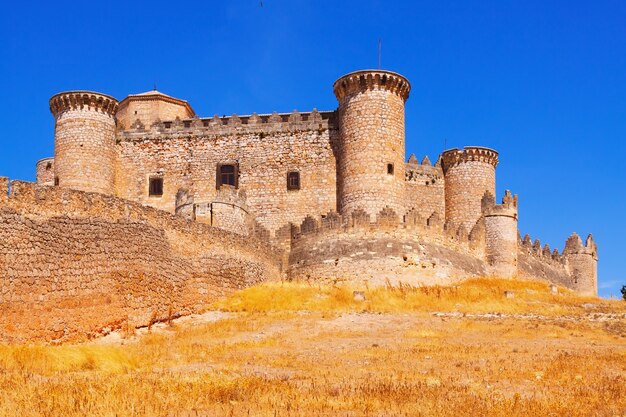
{"x":582,"y":261}
{"x":371,"y":160}
{"x":469,"y":174}
{"x":84,"y":140}
{"x":501,"y":234}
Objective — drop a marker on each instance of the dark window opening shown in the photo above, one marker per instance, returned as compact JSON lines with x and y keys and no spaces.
{"x":293,"y":180}
{"x":135,"y":111}
{"x":56,"y":180}
{"x":390,"y":169}
{"x":48,"y":166}
{"x":156,"y":187}
{"x":227,"y":174}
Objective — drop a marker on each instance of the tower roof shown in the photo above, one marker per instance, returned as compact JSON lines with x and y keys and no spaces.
{"x":157,"y":96}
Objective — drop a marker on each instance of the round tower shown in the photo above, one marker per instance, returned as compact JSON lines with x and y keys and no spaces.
{"x":469,"y":173}
{"x":501,"y":234}
{"x":582,"y":263}
{"x":371,"y":141}
{"x":45,"y":171}
{"x":84,"y":140}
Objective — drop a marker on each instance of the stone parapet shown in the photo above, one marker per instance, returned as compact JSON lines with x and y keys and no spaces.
{"x":227,"y":125}
{"x":79,"y":99}
{"x":453,"y":157}
{"x":360,"y":81}
{"x":431,"y":229}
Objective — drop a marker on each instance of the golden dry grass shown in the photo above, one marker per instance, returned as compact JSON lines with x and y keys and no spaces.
{"x":301,"y":350}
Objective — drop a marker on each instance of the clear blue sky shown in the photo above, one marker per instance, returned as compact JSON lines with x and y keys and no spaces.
{"x":543,"y":82}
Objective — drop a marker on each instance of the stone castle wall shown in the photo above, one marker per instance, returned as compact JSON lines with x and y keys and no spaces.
{"x":424,"y":188}
{"x":390,"y":250}
{"x":265,"y":148}
{"x":73,"y":263}
{"x":574,"y":268}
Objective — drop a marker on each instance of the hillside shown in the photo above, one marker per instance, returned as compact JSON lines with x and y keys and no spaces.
{"x":286,"y":349}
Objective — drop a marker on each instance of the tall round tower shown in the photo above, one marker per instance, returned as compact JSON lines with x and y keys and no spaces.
{"x":84,"y":140}
{"x":371,"y":140}
{"x":469,"y":173}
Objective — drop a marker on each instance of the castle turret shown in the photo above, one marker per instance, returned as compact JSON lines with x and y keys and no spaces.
{"x":582,"y":262}
{"x":371,"y":142}
{"x":84,"y":140}
{"x":501,"y":234}
{"x":45,"y":171}
{"x":469,"y":174}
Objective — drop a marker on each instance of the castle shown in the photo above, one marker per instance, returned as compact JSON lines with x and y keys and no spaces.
{"x":319,"y":196}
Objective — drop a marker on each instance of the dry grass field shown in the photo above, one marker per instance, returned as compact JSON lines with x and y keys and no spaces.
{"x":306,"y":350}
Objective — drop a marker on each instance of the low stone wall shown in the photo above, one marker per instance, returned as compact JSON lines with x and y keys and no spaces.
{"x":74,"y":263}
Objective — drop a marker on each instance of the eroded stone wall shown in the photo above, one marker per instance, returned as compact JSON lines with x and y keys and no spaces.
{"x":73,"y":263}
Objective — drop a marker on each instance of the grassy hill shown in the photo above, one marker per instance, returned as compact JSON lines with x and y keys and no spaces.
{"x":288,"y":349}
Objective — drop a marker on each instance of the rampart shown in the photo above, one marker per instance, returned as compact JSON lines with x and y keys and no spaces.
{"x":575,"y":267}
{"x":412,"y":249}
{"x":74,"y":264}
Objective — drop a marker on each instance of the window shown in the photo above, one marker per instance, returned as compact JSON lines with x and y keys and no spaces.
{"x":156,"y":187}
{"x":56,"y":180}
{"x":390,"y":169}
{"x":293,"y":180}
{"x":227,"y":174}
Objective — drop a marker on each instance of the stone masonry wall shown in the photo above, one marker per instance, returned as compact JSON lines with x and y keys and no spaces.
{"x":355,"y":250}
{"x":265,"y":148}
{"x":424,"y":188}
{"x":74,"y":263}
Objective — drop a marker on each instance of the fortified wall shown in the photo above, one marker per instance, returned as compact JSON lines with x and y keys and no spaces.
{"x":152,"y":210}
{"x":73,"y":263}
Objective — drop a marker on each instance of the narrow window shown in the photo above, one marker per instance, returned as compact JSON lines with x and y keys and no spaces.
{"x":56,"y":180}
{"x":156,"y":187}
{"x":390,"y":169}
{"x":227,"y":175}
{"x":293,"y":180}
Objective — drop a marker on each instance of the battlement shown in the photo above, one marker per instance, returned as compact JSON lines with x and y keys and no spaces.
{"x":455,"y":156}
{"x":416,"y":171}
{"x":274,"y":122}
{"x":359,"y":81}
{"x":79,"y":99}
{"x":508,"y":207}
{"x":574,"y":245}
{"x":432,"y":228}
